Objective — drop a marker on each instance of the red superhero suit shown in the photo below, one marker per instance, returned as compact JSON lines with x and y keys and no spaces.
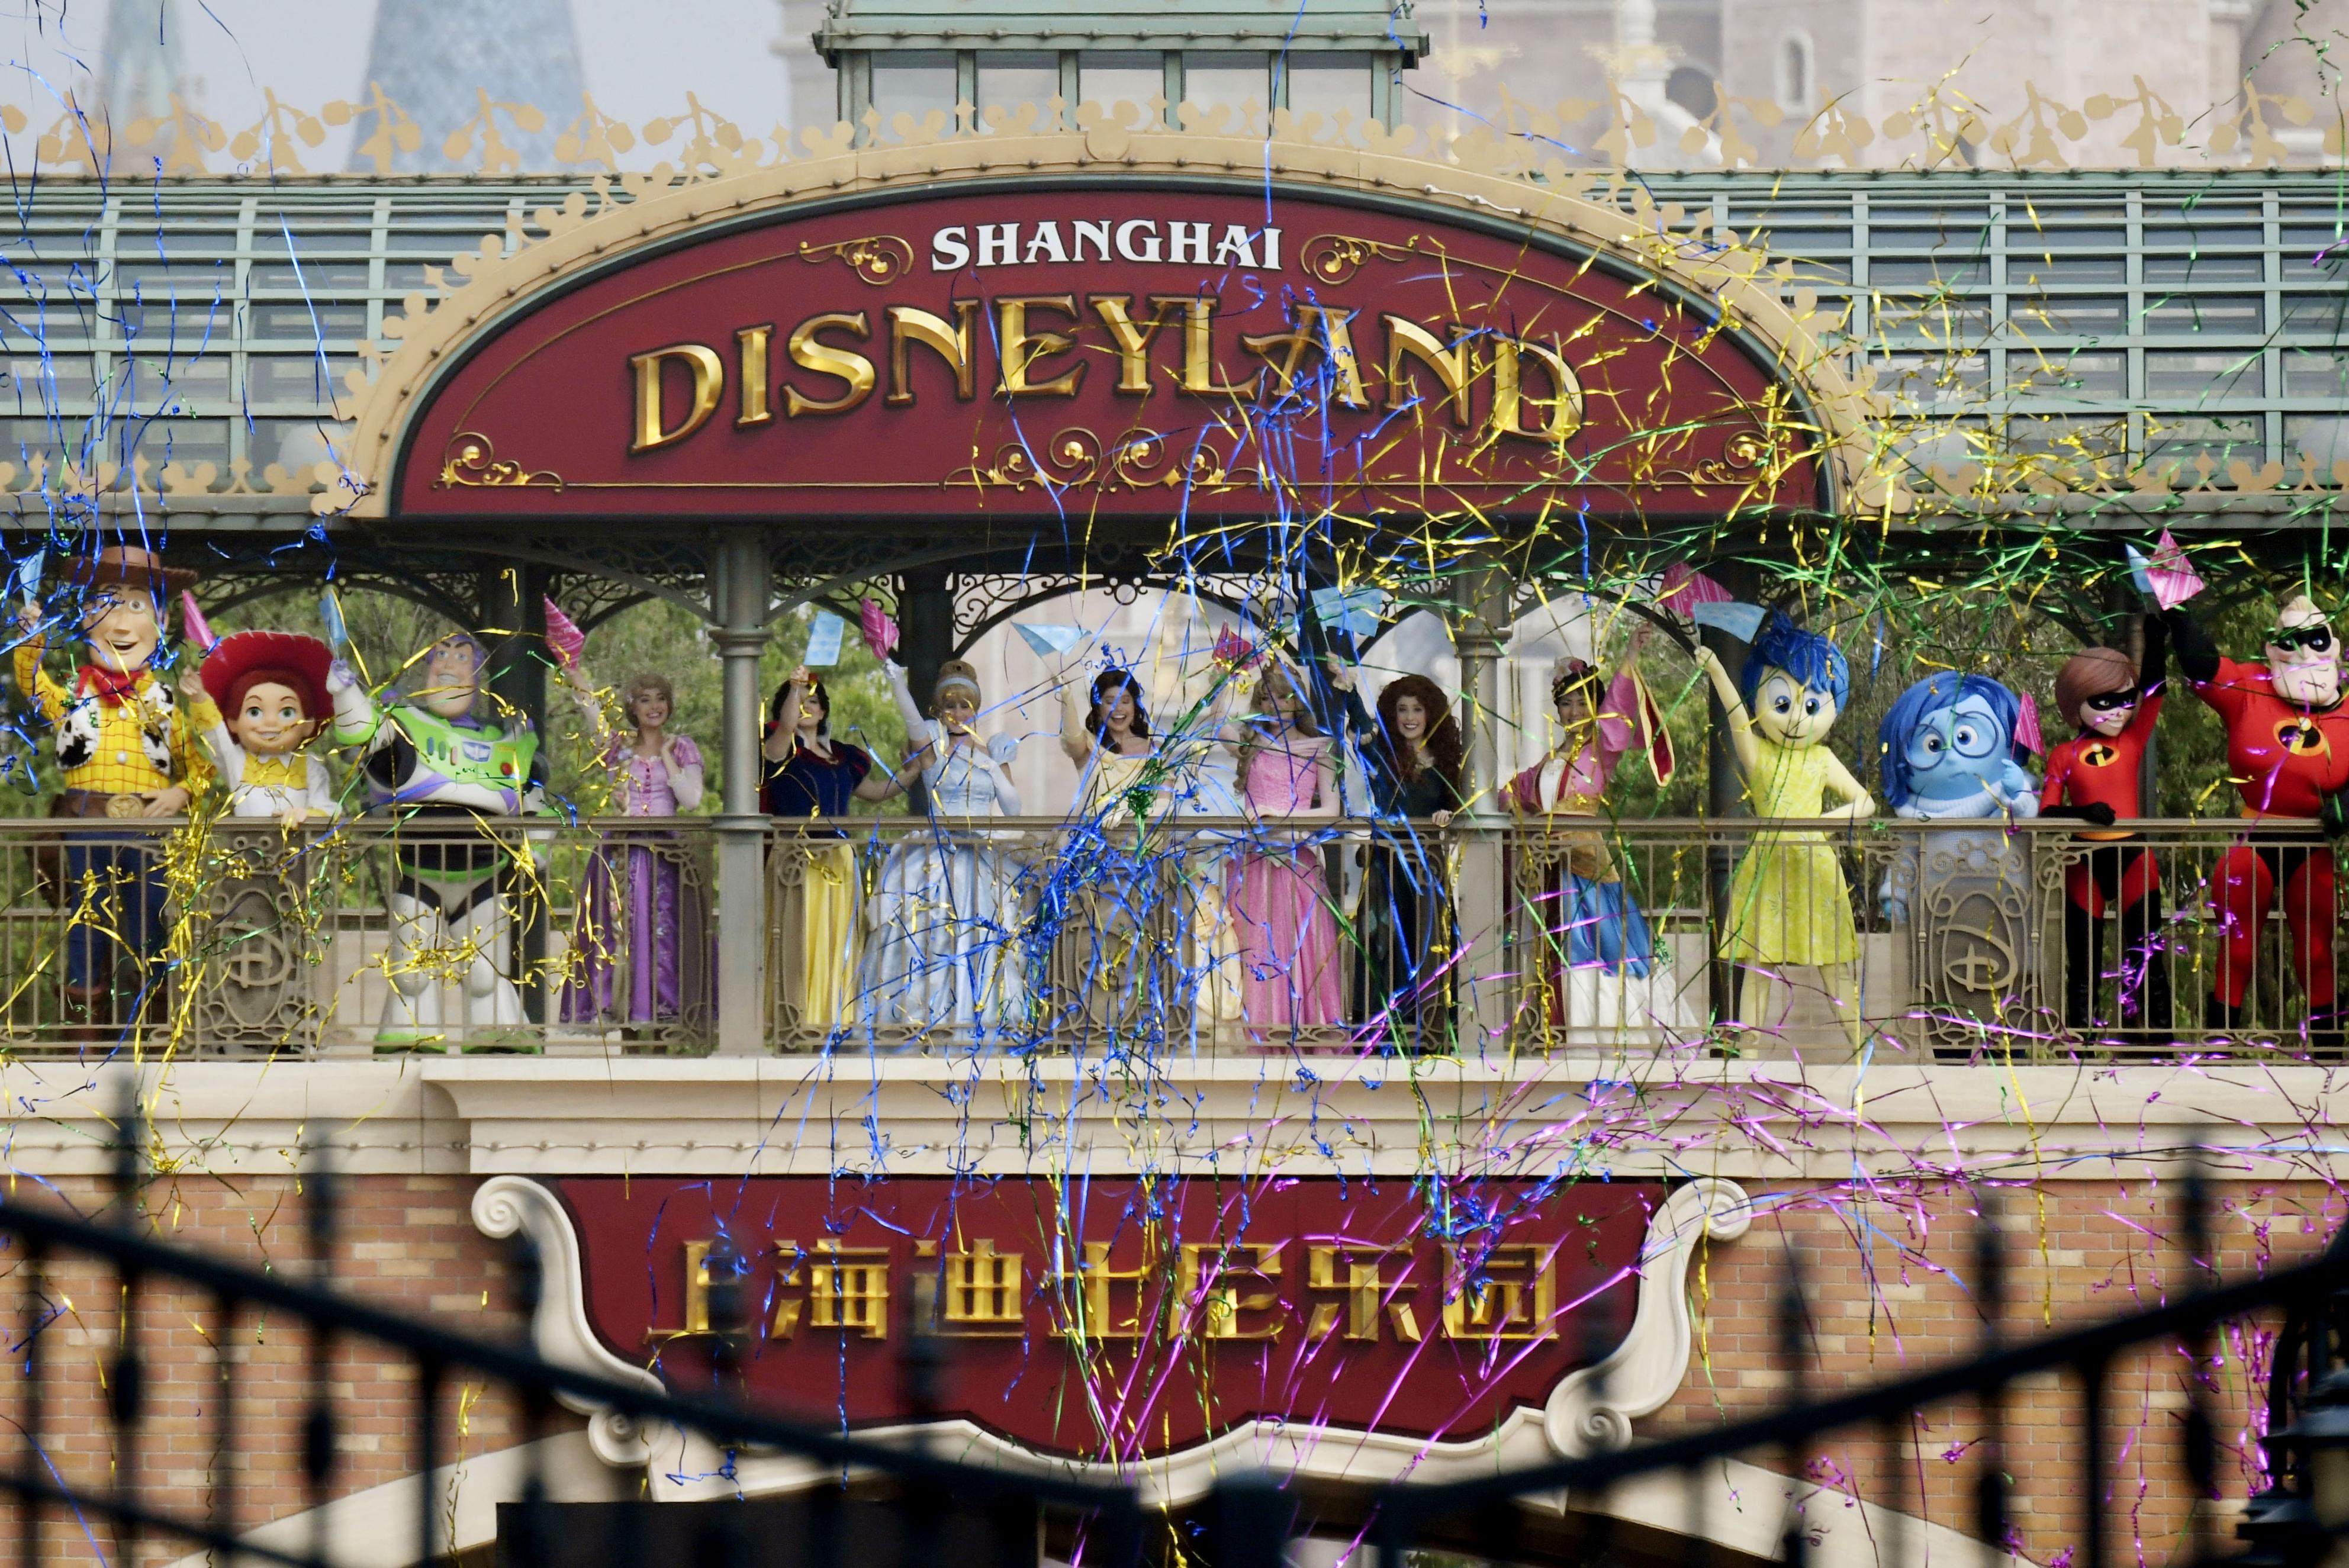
{"x":2286,"y":761}
{"x":2087,"y":776}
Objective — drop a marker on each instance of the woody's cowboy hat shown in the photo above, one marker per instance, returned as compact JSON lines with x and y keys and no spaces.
{"x":126,"y":565}
{"x":242,"y":660}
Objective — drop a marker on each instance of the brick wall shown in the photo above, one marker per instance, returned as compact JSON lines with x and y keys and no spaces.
{"x":1890,"y":1284}
{"x":408,"y":1245}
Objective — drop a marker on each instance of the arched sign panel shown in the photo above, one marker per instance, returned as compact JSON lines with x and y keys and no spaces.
{"x":1132,"y":348}
{"x":1137,"y":1319}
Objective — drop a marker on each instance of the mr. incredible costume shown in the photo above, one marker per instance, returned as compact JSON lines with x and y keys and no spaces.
{"x":447,"y":778}
{"x":2288,"y":758}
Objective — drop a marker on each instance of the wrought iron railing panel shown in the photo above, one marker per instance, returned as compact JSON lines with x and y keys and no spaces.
{"x":1956,"y":942}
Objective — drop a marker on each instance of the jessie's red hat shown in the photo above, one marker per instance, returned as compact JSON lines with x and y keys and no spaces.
{"x":242,"y":660}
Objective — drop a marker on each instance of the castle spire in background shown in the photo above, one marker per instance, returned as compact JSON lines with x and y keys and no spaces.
{"x":141,"y":67}
{"x":437,"y":58}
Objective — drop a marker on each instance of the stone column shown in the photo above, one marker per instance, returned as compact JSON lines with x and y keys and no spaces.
{"x":1489,"y":985}
{"x":738,"y":593}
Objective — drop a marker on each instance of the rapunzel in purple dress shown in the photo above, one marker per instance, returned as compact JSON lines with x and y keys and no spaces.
{"x":638,"y":913}
{"x":1282,"y":926}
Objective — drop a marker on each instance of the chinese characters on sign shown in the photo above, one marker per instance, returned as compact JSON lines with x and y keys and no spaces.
{"x":1207,"y":1304}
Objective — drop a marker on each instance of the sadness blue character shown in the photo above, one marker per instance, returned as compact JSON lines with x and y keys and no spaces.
{"x":1950,"y":751}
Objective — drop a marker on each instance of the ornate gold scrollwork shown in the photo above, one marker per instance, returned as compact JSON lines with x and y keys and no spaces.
{"x":878,"y":259}
{"x":1747,"y":456}
{"x":1336,"y":258}
{"x":471,"y":462}
{"x":1138,"y":460}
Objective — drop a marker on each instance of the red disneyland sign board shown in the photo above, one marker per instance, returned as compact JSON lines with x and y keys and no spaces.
{"x":1111,"y":1319}
{"x":1138,"y":351}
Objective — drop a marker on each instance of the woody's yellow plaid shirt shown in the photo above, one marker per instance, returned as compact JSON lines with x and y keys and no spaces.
{"x":120,"y":764}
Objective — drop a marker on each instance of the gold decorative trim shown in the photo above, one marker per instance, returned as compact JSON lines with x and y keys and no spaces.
{"x":471,"y":463}
{"x":878,"y":259}
{"x":1336,"y":258}
{"x":1076,"y":456}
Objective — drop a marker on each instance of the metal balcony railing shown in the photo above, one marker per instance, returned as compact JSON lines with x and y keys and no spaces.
{"x":1188,"y":935}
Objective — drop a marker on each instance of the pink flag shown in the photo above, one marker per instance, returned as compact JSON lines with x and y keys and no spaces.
{"x":1684,"y":588}
{"x":2026,"y":727}
{"x":199,"y":629}
{"x":564,"y":637}
{"x":2173,"y":581}
{"x":1233,"y":649}
{"x":880,"y":631}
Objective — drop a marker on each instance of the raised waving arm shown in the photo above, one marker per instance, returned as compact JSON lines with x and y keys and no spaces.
{"x":1741,"y":723}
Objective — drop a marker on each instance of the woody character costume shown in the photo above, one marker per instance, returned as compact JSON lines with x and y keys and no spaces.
{"x":2095,"y":778}
{"x":2288,"y":758}
{"x":126,"y":751}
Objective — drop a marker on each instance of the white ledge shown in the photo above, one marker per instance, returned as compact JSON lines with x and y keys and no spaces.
{"x":913,"y":1116}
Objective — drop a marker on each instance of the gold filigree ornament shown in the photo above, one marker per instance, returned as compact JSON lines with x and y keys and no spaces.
{"x":878,"y":259}
{"x":1336,"y":258}
{"x":471,"y":463}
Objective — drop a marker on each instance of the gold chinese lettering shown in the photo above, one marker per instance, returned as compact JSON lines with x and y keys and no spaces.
{"x":982,"y":1292}
{"x":1208,"y":1278}
{"x":696,"y":1297}
{"x":1511,"y":1294}
{"x":1366,"y":1288}
{"x":1093,"y":1302}
{"x":847,"y":1288}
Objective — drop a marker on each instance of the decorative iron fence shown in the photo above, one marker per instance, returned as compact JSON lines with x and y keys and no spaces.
{"x":1941,"y":941}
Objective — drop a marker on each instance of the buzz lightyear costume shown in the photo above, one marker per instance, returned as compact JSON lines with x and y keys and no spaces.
{"x":441,"y":778}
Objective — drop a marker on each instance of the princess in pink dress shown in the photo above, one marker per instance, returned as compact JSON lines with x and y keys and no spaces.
{"x":1283,"y":928}
{"x":639,"y":914}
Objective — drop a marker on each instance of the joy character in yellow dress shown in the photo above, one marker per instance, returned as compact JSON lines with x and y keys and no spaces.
{"x":1788,"y":903}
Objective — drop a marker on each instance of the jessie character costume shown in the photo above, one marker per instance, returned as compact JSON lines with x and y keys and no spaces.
{"x":2286,"y":761}
{"x":274,"y":786}
{"x":2098,"y":778}
{"x":120,"y":742}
